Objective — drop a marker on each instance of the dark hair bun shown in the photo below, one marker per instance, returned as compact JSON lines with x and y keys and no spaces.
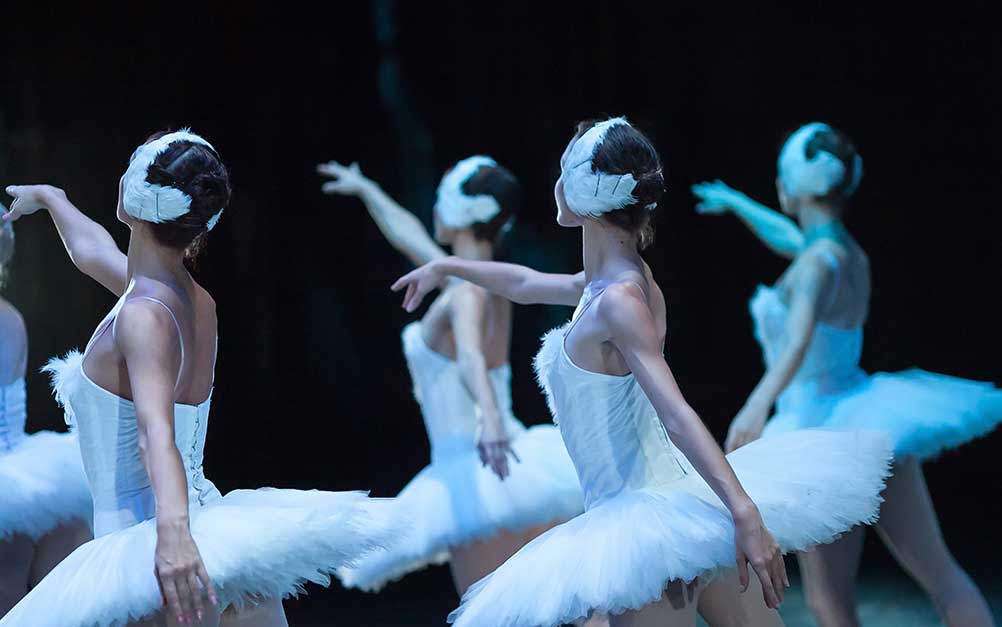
{"x":837,"y":143}
{"x":196,"y":170}
{"x":501,"y":184}
{"x":626,"y":150}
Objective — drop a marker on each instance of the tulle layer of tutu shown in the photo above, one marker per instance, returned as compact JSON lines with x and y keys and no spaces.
{"x":923,"y":413}
{"x":456,"y":501}
{"x":256,"y":544}
{"x":810,"y":486}
{"x":42,"y":485}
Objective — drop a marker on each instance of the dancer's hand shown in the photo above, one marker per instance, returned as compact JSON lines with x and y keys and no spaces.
{"x":494,"y":447}
{"x":755,"y":545}
{"x":179,"y":569}
{"x":30,"y":198}
{"x":747,"y":426}
{"x":348,"y":180}
{"x":716,"y":198}
{"x":419,"y":282}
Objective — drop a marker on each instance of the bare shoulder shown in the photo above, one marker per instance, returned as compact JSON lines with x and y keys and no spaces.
{"x":463,"y":296}
{"x":143,"y":321}
{"x":824,"y":252}
{"x":13,"y":331}
{"x":11,"y":320}
{"x":624,"y":306}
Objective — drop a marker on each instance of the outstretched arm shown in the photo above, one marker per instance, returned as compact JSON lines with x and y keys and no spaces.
{"x":812,"y":282}
{"x":779,"y":233}
{"x":632,"y":329}
{"x":518,"y":284}
{"x":401,"y":228}
{"x":89,"y":245}
{"x":467,"y":310}
{"x":146,"y":337}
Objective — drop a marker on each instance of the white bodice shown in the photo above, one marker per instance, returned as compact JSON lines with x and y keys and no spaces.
{"x":108,"y":432}
{"x":831,"y":364}
{"x":450,"y":413}
{"x":13,"y":414}
{"x":611,"y":430}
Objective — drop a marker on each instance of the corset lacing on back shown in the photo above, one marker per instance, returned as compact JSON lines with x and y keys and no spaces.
{"x":108,"y":429}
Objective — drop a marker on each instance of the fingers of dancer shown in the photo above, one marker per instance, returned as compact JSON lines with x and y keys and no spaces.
{"x":197,"y":603}
{"x":762,"y":567}
{"x":186,"y":596}
{"x":742,"y":562}
{"x":169,"y":589}
{"x":482,"y":452}
{"x":501,"y":459}
{"x":210,"y":590}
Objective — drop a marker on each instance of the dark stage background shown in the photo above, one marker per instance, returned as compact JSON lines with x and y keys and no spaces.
{"x":312,"y":389}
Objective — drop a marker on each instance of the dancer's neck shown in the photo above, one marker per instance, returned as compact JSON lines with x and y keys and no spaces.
{"x":608,"y":251}
{"x":466,"y":246}
{"x":153,"y":260}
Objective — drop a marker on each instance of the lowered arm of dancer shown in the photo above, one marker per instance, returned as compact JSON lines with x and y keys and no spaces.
{"x":518,"y":284}
{"x":401,"y":228}
{"x":467,"y":311}
{"x":778,"y":232}
{"x":146,"y":337}
{"x":811,"y":283}
{"x":89,"y":245}
{"x":633,"y":331}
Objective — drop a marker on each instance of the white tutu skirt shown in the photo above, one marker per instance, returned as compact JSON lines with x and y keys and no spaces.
{"x":456,"y":501}
{"x":42,"y":485}
{"x":256,"y":544}
{"x":923,"y":413}
{"x":810,"y":486}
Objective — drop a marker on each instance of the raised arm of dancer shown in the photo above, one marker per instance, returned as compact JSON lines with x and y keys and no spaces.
{"x":518,"y":284}
{"x":633,"y":331}
{"x":89,"y":245}
{"x":467,"y":310}
{"x":778,"y":232}
{"x":810,"y":284}
{"x":146,"y":337}
{"x":401,"y":228}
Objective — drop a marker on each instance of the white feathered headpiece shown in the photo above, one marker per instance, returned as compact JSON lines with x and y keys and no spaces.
{"x":457,"y":209}
{"x":590,"y":192}
{"x":801,"y":176}
{"x":152,"y":202}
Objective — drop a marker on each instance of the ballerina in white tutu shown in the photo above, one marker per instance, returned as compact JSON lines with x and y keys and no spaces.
{"x":810,"y":326}
{"x":44,"y":501}
{"x":472,"y":506}
{"x":657,"y":517}
{"x":139,"y":396}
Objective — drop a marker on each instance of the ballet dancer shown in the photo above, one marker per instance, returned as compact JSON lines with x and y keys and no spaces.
{"x":473,"y":506}
{"x":45,"y":507}
{"x":810,"y":326}
{"x":664,"y":507}
{"x":139,"y":396}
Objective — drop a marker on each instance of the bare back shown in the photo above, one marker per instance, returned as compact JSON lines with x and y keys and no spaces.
{"x":587,"y":341}
{"x":847,"y":303}
{"x":194,"y":312}
{"x":13,"y":344}
{"x":437,"y":332}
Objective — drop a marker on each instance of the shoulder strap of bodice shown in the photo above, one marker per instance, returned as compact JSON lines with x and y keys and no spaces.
{"x":591,"y":300}
{"x":177,"y":325}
